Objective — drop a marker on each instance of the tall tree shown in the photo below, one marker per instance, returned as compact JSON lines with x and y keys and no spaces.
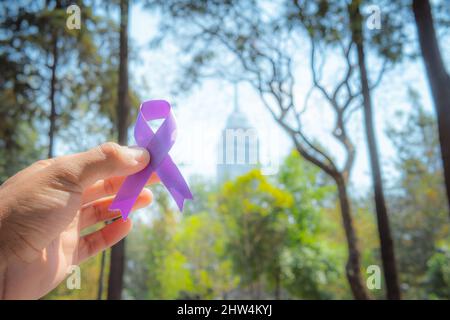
{"x":58,"y":54}
{"x":335,"y":20}
{"x":255,"y":214}
{"x":421,"y":220}
{"x":54,"y":53}
{"x":117,"y":264}
{"x":311,"y":267}
{"x":262,"y":55}
{"x":438,"y":79}
{"x":18,"y":107}
{"x":387,"y":245}
{"x":108,"y":81}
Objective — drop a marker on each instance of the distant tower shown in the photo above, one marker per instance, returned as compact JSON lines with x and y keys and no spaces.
{"x":238,"y":149}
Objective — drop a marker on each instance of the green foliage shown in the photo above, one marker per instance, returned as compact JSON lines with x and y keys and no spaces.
{"x":201,"y":240}
{"x":205,"y":195}
{"x":255,"y":241}
{"x":310,"y":261}
{"x":257,"y":236}
{"x":329,"y":21}
{"x":89,"y":272}
{"x":311,"y":190}
{"x":20,"y":147}
{"x":176,"y":276}
{"x":179,"y":259}
{"x":194,"y":266}
{"x":256,"y":217}
{"x":310,"y":272}
{"x":438,"y":275}
{"x":421,"y":219}
{"x":147,"y":249}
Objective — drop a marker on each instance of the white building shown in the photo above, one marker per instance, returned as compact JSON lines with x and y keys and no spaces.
{"x":238,"y":148}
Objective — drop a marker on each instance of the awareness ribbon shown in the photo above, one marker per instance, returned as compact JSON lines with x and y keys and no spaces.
{"x":158,"y":145}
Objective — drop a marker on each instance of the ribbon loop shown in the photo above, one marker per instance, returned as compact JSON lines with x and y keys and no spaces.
{"x":158,"y":145}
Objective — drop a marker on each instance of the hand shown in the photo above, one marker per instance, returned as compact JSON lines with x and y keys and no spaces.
{"x":44,"y":208}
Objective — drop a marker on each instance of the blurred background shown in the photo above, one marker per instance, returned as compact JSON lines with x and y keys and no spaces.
{"x":315,"y":136}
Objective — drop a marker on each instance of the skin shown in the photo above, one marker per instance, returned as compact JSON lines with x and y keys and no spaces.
{"x":45,"y":208}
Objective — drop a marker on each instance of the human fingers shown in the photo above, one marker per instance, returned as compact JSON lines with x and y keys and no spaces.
{"x":98,"y":211}
{"x":102,"y":239}
{"x":107,"y":187}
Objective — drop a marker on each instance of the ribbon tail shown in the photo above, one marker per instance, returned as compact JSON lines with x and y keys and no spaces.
{"x":123,"y":206}
{"x":172,"y":178}
{"x":129,"y":191}
{"x":179,"y":197}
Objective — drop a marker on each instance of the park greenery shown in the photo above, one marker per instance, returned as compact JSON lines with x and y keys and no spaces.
{"x":301,"y":233}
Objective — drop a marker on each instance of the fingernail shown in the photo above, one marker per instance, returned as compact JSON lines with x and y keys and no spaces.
{"x":139,"y":154}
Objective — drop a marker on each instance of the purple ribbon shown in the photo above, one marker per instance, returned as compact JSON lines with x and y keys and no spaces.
{"x":158,"y":145}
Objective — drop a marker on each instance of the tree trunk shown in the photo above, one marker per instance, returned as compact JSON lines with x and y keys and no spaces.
{"x":100,"y":277}
{"x":115,"y":282}
{"x":53,"y":80}
{"x":277,"y":293}
{"x":384,"y":232}
{"x":353,"y":266}
{"x":438,"y":79}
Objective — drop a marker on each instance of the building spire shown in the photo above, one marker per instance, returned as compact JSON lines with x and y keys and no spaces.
{"x":236,"y":104}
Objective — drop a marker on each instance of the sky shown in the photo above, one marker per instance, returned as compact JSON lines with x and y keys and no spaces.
{"x":201,"y":114}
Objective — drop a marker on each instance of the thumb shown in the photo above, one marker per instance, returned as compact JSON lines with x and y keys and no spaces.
{"x":105,"y":161}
